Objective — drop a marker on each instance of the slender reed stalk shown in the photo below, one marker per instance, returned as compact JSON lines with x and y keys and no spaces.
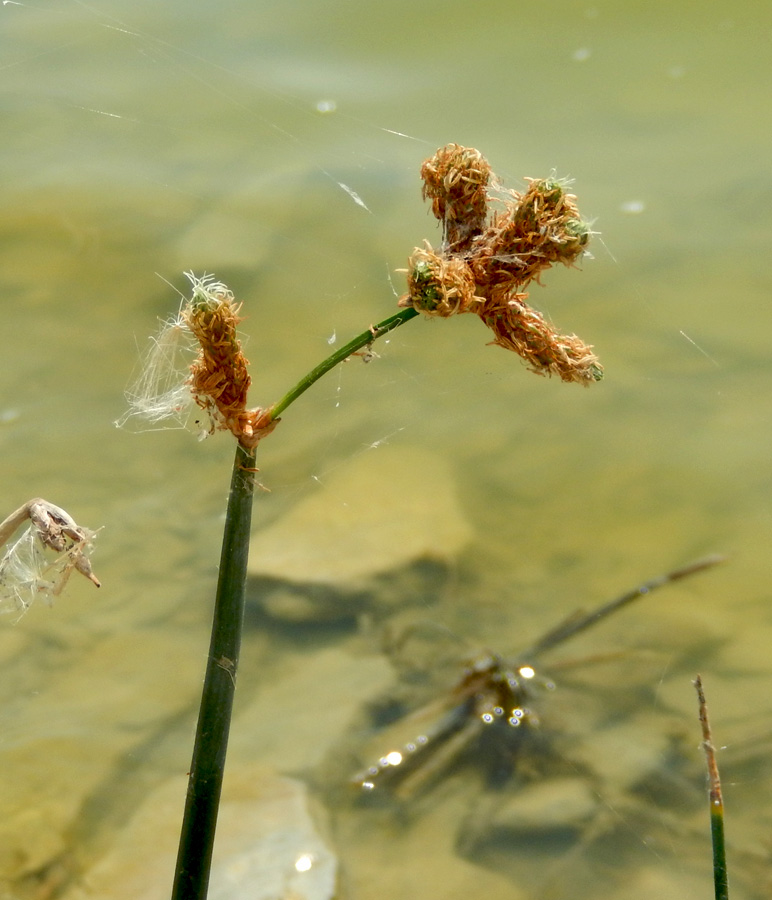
{"x":361,"y":340}
{"x":720,"y":874}
{"x":194,"y":858}
{"x":215,"y":316}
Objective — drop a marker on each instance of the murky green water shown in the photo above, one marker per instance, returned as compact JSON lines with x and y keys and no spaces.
{"x":141,"y":139}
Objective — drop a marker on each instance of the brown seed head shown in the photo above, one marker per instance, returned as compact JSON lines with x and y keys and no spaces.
{"x":219,"y":378}
{"x":518,"y":327}
{"x":485,"y":269}
{"x":536,"y":231}
{"x":439,"y":285}
{"x":456,"y":180}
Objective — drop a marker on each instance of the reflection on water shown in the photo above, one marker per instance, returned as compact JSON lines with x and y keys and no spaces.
{"x":142,"y":140}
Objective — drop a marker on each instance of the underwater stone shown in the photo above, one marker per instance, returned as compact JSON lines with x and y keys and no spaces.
{"x":310,"y":704}
{"x":631,"y":750}
{"x":267,"y":845}
{"x":557,"y":804}
{"x":382,"y":531}
{"x":12,"y":643}
{"x":59,"y":751}
{"x":416,"y":854}
{"x":673,"y":882}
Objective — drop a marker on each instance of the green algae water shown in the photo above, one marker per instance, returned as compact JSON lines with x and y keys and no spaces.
{"x":279,"y":148}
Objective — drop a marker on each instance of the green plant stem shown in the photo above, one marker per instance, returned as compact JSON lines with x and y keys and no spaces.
{"x":720,"y":875}
{"x":362,"y":340}
{"x":194,"y":859}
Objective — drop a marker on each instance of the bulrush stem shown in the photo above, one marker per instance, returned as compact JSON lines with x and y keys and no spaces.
{"x":483,"y":266}
{"x":362,"y":340}
{"x":194,"y":859}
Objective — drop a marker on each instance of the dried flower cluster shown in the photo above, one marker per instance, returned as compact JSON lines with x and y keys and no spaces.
{"x":488,"y":257}
{"x":456,"y":180}
{"x":219,"y":380}
{"x":216,"y":381}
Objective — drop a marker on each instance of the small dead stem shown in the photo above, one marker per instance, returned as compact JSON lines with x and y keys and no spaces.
{"x":720,"y":874}
{"x":24,"y":571}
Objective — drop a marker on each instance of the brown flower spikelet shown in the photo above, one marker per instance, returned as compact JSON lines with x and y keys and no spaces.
{"x":456,"y":180}
{"x":540,"y":228}
{"x":485,"y":270}
{"x":440,"y":285}
{"x":518,"y":327}
{"x":219,"y":378}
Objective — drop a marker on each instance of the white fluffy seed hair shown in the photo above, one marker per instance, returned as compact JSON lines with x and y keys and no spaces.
{"x":28,"y":571}
{"x":161,"y":395}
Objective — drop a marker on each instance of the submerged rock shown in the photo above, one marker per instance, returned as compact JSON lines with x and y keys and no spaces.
{"x":63,"y":738}
{"x":381,"y":532}
{"x":547,"y":806}
{"x":391,"y":858}
{"x":267,"y":846}
{"x":631,"y":751}
{"x":299,"y":714}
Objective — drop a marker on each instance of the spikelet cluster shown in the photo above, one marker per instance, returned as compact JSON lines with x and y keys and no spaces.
{"x":214,"y":377}
{"x":488,"y":258}
{"x":219,"y":378}
{"x":456,"y":180}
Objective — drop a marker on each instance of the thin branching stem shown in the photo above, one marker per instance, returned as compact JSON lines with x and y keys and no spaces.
{"x":362,"y":340}
{"x":194,"y":859}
